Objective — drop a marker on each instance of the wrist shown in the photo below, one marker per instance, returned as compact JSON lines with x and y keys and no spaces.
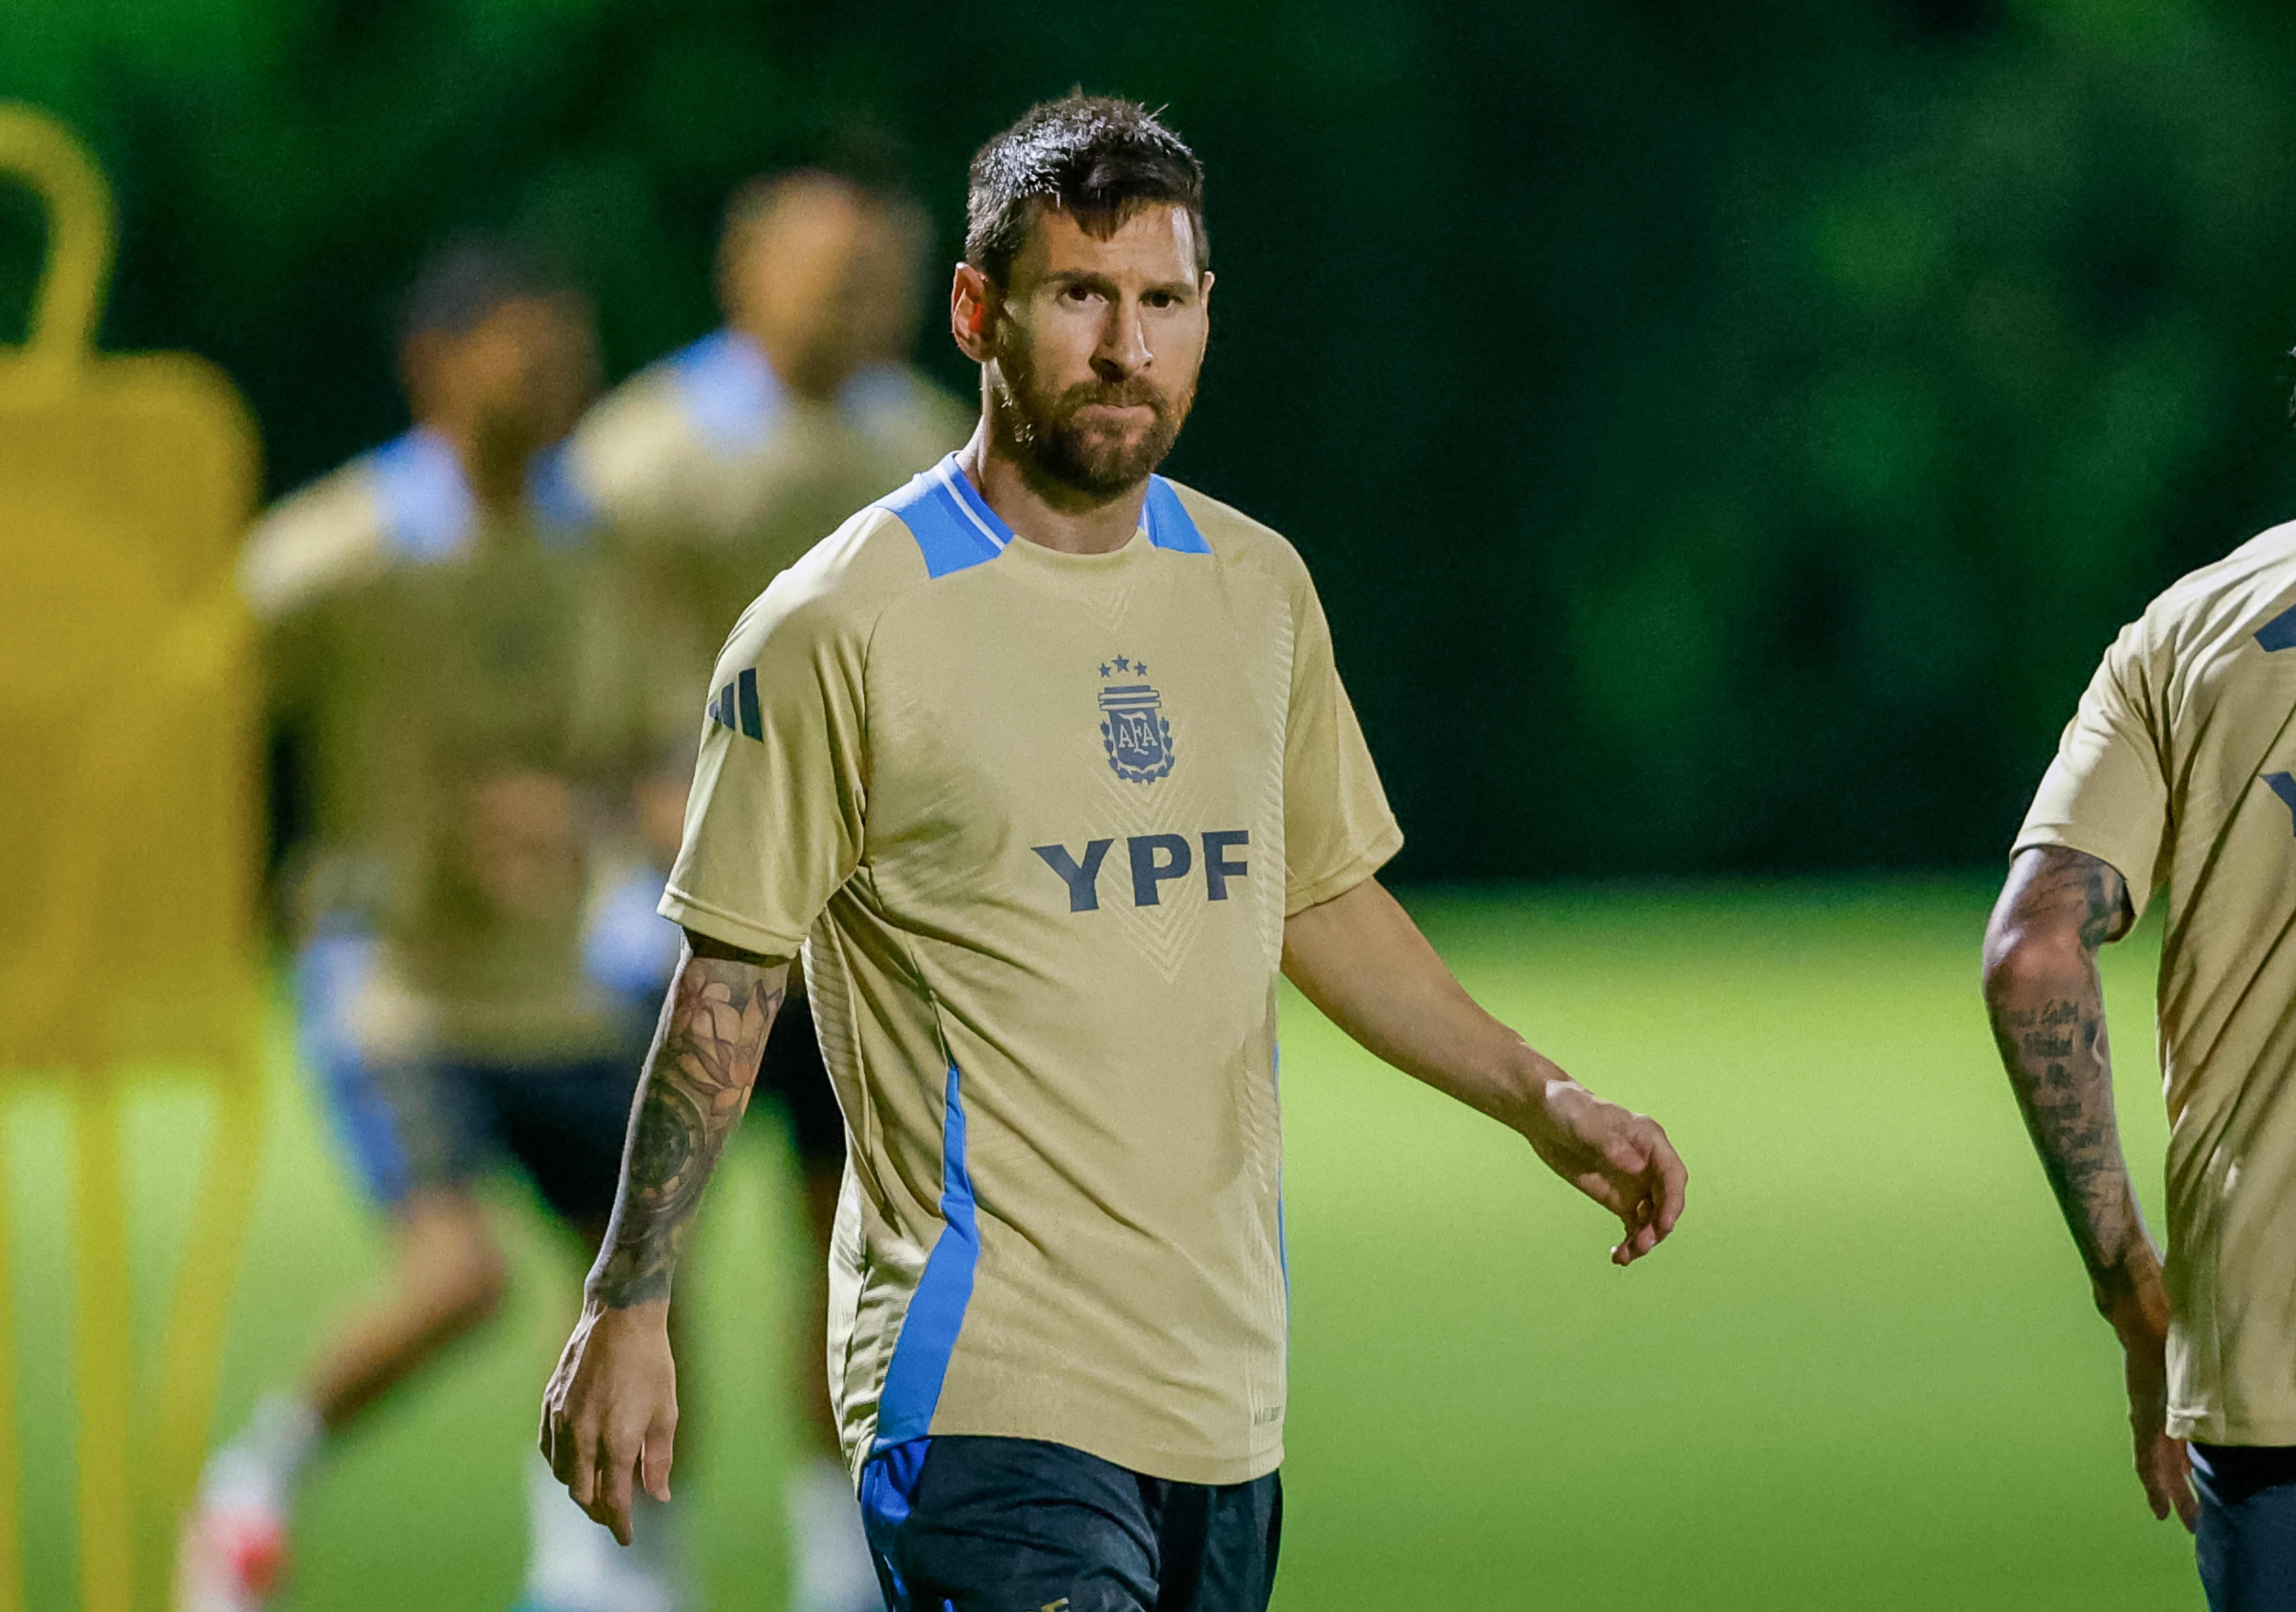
{"x":1539,"y":1097}
{"x":598,"y":1305}
{"x":2133,"y":1297}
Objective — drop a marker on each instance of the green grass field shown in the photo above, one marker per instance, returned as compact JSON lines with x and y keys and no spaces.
{"x":1864,"y":1375}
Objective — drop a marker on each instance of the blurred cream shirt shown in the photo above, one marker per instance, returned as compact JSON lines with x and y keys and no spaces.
{"x":714,"y":478}
{"x":2179,"y":770}
{"x":1038,"y":819}
{"x":427,"y":654}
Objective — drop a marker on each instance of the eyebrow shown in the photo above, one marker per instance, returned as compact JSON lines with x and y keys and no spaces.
{"x":1059,"y":278}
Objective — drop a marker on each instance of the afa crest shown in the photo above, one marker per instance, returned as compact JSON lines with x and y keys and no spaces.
{"x":1133,"y":730}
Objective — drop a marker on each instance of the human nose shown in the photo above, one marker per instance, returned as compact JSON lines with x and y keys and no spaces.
{"x":1123,"y":341}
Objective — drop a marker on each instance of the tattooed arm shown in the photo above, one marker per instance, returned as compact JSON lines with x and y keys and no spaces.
{"x":610,"y":1410}
{"x":2047,"y":1007}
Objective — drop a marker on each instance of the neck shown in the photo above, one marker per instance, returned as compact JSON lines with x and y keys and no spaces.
{"x":494,"y":469}
{"x":782,"y":356}
{"x":1044,"y":512}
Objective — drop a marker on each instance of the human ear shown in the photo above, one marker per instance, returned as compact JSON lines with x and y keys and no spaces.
{"x":972,"y":311}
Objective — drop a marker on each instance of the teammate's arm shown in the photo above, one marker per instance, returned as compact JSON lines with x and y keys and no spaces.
{"x":610,"y":1410}
{"x":2047,"y":1007}
{"x":1360,"y":958}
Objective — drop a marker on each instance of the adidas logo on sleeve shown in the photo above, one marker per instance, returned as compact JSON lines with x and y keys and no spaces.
{"x":735,"y":706}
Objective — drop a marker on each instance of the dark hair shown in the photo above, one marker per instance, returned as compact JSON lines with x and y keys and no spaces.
{"x":471,"y":276}
{"x":1096,"y":157}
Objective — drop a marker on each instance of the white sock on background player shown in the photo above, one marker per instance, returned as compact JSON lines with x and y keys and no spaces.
{"x":233,"y":1554}
{"x":573,"y":1564}
{"x":830,"y":1569}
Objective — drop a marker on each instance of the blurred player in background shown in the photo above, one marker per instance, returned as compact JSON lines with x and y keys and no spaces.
{"x":2178,"y":776}
{"x":718,"y":468}
{"x":1043,"y":902}
{"x":442,"y":636}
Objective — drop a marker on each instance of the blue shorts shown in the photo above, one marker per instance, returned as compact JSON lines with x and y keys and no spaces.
{"x":1013,"y":1524}
{"x":2247,"y":1536}
{"x":440,"y":1121}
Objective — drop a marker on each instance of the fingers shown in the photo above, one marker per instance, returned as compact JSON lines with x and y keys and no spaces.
{"x":657,"y":1452}
{"x":612,"y":1504}
{"x":1673,"y":1180}
{"x":2165,"y":1468}
{"x":1657,"y":1189}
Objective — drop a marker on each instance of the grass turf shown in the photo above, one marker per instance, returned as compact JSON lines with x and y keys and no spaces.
{"x":1863,"y":1376}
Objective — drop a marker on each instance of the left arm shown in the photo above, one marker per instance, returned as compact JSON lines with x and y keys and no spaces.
{"x":1364,"y":963}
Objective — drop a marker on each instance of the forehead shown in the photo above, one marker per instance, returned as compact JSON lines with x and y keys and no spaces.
{"x":1154,"y":241}
{"x":531,"y":317}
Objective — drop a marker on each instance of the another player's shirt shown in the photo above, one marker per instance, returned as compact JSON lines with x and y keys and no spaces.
{"x":456,"y":684}
{"x":2179,"y":770}
{"x":715,"y":478}
{"x":1038,"y":819}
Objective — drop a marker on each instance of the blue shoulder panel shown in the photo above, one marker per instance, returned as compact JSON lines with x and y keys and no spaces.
{"x":2279,"y":633}
{"x":730,"y":390}
{"x":953,"y":529}
{"x":429,"y":513}
{"x":1167,"y":521}
{"x":920,"y":1354}
{"x":426,"y":506}
{"x":563,"y":512}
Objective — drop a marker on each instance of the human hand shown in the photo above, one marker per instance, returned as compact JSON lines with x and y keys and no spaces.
{"x":2164,"y":1466}
{"x":610,"y":1412}
{"x":1619,"y":1159}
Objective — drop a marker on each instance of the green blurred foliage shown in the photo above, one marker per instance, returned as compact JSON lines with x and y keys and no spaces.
{"x":1725,"y":438}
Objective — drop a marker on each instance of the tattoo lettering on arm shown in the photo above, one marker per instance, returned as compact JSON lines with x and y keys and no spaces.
{"x":695,"y":1087}
{"x":2047,"y":1004}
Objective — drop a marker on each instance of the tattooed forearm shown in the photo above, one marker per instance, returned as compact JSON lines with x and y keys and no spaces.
{"x":2048,"y":1009}
{"x":696,"y":1083}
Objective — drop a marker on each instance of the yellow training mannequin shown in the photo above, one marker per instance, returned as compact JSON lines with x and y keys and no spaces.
{"x":127,"y":828}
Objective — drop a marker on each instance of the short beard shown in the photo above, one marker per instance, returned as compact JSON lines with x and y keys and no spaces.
{"x":1043,"y":434}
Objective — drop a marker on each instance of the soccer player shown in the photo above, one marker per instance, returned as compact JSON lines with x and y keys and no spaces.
{"x":1046,"y":761}
{"x":720,"y":464}
{"x":2178,"y":776}
{"x":439,"y":635}
{"x":718,"y":467}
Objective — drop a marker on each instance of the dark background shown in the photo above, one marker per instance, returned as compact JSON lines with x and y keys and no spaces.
{"x":1724,"y":436}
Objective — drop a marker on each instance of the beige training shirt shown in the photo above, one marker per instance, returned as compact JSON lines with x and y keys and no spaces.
{"x":1038,"y":819}
{"x":2179,"y":770}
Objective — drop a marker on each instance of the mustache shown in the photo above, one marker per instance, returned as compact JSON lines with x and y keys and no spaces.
{"x":1107,"y":394}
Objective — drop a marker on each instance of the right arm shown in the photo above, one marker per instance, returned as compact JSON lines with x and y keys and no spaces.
{"x":2047,"y":1004}
{"x":610,"y":1410}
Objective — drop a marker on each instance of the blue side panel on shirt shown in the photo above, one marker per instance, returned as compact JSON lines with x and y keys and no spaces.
{"x":1167,"y":521}
{"x":950,"y":541}
{"x":2279,"y":633}
{"x":912,"y":1381}
{"x":629,"y":946}
{"x":1282,"y":1246}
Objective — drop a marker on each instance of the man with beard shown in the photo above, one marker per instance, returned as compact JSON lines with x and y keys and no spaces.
{"x":1046,"y":761}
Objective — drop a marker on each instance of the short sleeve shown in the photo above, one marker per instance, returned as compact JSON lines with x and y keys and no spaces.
{"x":774,"y":825}
{"x":1338,"y":830}
{"x":2106,"y":793}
